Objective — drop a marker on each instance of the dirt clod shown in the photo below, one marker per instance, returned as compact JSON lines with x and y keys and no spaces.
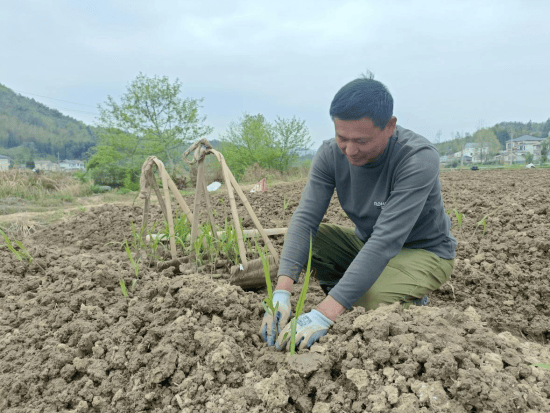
{"x":70,"y":341}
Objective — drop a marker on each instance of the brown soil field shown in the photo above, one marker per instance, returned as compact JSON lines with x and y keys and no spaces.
{"x":70,"y":342}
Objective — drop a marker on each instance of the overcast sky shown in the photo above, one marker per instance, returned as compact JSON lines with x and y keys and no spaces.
{"x":453,"y":65}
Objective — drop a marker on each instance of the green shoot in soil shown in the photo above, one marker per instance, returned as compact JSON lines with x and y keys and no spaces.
{"x":267,"y":303}
{"x":197,"y":246}
{"x":135,"y":264}
{"x":123,"y":288}
{"x":483,"y":222}
{"x":459,"y":216}
{"x":301,"y":301}
{"x":21,"y":255}
{"x":544,"y":366}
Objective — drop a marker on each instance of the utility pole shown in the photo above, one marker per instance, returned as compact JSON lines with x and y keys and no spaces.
{"x":512,"y":149}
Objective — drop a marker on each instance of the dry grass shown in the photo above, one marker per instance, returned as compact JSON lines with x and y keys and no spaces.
{"x":19,"y":186}
{"x":19,"y":229}
{"x":255,"y":173}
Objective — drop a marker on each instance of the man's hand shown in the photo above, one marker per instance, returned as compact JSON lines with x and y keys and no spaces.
{"x":309,"y":328}
{"x":272,"y":324}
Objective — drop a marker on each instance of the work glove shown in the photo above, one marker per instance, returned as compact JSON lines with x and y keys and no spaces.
{"x":309,"y":328}
{"x":272,"y":325}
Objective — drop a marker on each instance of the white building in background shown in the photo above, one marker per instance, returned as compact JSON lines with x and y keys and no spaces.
{"x":476,"y":151}
{"x":524,"y":144}
{"x":46,"y":166}
{"x":518,"y":148}
{"x":4,"y":163}
{"x":473,"y":152}
{"x":71,"y":165}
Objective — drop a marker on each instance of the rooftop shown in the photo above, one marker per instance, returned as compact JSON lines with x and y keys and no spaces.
{"x":526,"y":138}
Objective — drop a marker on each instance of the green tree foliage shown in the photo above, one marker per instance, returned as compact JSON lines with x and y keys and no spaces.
{"x":487,"y":139}
{"x":454,"y":145}
{"x":528,"y":158}
{"x":519,"y":129}
{"x":291,"y":136}
{"x":545,"y":132}
{"x":273,"y":146}
{"x":150,"y":120}
{"x":502,"y":135}
{"x":545,"y":147}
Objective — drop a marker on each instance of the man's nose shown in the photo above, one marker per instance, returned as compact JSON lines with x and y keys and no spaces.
{"x":352,"y":149}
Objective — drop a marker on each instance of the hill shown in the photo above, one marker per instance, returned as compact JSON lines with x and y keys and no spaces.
{"x":503,"y":132}
{"x":29,"y":129}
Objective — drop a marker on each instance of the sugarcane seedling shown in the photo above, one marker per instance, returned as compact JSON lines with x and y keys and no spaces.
{"x":123,"y":288}
{"x":459,"y":217}
{"x":483,"y":222}
{"x":267,"y":303}
{"x":301,"y":301}
{"x":197,"y":247}
{"x":22,"y":253}
{"x":135,"y":265}
{"x":211,"y":245}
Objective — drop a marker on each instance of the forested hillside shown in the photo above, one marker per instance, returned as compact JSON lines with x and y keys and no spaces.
{"x":502,"y":131}
{"x":30,"y":129}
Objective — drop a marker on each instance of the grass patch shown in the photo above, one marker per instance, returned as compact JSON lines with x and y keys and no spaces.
{"x":27,"y":185}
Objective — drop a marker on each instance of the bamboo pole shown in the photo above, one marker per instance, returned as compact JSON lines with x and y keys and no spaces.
{"x":236,"y":223}
{"x":170,"y":219}
{"x":241,"y":194}
{"x":247,"y":233}
{"x":180,"y":199}
{"x":145,"y":216}
{"x":196,"y":204}
{"x":209,"y":208}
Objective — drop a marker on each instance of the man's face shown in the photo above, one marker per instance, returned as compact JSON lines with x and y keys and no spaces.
{"x":361,"y":141}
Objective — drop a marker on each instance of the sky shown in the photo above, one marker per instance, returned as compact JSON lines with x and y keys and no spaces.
{"x":453,"y":66}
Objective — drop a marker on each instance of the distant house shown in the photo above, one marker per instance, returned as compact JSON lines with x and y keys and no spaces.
{"x":46,"y":166}
{"x":71,"y":165}
{"x":511,"y":157}
{"x":455,"y":157}
{"x":476,"y":151}
{"x":524,"y":144}
{"x":4,"y":163}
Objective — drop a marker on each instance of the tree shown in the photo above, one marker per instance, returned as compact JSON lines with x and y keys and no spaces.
{"x":291,"y":136}
{"x":151,"y":119}
{"x":502,"y":135}
{"x":545,"y":132}
{"x":437,"y":139}
{"x":528,"y":158}
{"x":488,"y":142}
{"x":248,"y":141}
{"x":254,"y":140}
{"x":545,"y":147}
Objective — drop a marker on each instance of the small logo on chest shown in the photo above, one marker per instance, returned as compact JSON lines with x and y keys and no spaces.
{"x":379,"y":205}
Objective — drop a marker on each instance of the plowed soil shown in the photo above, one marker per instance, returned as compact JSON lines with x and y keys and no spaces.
{"x":70,"y":341}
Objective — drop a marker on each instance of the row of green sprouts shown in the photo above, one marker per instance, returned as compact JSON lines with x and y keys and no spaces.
{"x":268,"y":301}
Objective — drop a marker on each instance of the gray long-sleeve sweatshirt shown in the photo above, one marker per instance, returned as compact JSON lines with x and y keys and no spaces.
{"x":395,"y":202}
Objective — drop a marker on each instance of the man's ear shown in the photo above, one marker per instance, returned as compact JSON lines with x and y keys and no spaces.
{"x":392,"y":123}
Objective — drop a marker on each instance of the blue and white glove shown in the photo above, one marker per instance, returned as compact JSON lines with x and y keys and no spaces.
{"x":309,"y":328}
{"x":272,"y":325}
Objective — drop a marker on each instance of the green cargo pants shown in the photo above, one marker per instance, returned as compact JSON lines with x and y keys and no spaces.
{"x":410,"y":275}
